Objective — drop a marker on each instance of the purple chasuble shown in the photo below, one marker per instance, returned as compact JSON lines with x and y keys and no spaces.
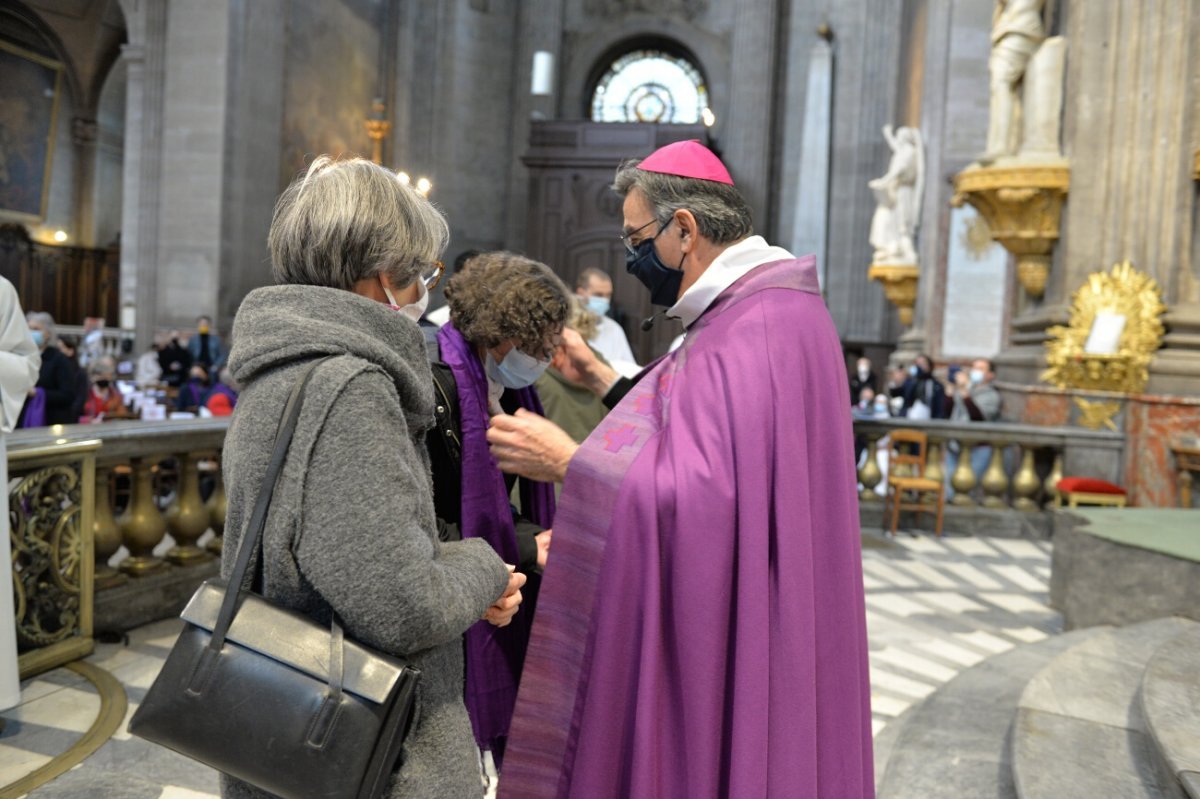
{"x":701,"y":627}
{"x":494,"y":655}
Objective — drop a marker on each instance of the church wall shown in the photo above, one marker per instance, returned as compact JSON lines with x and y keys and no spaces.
{"x":60,"y":206}
{"x":110,"y":158}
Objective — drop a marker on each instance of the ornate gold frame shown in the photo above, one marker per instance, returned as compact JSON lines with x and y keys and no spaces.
{"x":1123,"y":290}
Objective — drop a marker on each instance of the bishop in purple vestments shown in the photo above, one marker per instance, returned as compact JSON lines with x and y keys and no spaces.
{"x":701,"y":629}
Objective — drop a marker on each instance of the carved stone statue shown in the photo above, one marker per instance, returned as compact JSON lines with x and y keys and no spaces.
{"x":898,"y":197}
{"x":1017,"y":30}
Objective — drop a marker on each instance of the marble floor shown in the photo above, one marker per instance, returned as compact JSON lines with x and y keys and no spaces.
{"x":934,"y":608}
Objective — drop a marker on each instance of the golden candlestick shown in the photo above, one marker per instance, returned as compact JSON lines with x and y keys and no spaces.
{"x":377,"y":128}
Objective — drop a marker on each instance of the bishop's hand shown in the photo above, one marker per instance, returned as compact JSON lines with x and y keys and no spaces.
{"x":531,"y":446}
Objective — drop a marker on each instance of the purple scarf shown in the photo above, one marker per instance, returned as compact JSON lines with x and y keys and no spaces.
{"x":494,"y":655}
{"x":35,"y":410}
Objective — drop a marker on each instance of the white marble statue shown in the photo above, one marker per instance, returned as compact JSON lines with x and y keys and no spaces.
{"x":898,"y":197}
{"x":1017,"y":31}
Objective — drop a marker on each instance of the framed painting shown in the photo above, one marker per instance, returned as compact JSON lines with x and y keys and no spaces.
{"x":29,"y":97}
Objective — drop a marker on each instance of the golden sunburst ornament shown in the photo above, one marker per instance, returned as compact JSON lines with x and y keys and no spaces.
{"x":1125,"y":303}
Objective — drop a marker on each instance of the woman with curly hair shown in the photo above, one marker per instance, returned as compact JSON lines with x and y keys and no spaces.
{"x":506,"y":319}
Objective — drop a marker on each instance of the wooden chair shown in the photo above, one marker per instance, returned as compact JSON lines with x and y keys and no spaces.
{"x":906,"y":474}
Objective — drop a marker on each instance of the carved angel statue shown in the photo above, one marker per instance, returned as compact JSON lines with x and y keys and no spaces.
{"x":1017,"y":31}
{"x":898,"y":196}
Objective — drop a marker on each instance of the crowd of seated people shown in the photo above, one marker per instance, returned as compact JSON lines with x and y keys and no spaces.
{"x":77,"y":383}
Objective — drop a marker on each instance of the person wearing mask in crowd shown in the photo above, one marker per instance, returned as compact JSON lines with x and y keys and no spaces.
{"x":595,"y":288}
{"x":863,"y":377}
{"x":205,"y":347}
{"x":91,"y":347}
{"x":506,"y":317}
{"x":924,"y":395}
{"x":973,"y":398}
{"x":148,"y":371}
{"x":571,"y":406}
{"x":104,"y":399}
{"x":174,"y":360}
{"x":19,"y":364}
{"x":58,"y":377}
{"x":221,"y":399}
{"x":719,"y":495}
{"x":194,"y":391}
{"x":352,"y":530}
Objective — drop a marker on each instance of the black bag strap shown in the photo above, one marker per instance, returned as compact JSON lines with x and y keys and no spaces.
{"x":258,"y":519}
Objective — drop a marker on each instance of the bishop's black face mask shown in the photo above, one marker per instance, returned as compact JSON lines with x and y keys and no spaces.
{"x":646,"y":266}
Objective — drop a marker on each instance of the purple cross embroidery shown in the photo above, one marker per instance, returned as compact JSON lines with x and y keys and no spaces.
{"x":644,"y":404}
{"x":619,"y":438}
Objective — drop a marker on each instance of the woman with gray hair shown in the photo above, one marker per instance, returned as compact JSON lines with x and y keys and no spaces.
{"x":352,"y":529}
{"x":58,"y":377}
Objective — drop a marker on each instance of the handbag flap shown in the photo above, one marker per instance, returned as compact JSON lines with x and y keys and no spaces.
{"x":295,"y":639}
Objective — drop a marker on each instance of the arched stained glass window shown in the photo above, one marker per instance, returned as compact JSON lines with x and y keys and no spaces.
{"x":651,"y":86}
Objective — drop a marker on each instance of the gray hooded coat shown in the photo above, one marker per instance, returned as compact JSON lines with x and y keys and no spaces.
{"x":352,"y":525}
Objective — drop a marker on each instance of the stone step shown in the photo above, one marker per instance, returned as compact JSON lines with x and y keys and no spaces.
{"x":955,"y":743}
{"x":1079,"y":732}
{"x":1170,"y":706}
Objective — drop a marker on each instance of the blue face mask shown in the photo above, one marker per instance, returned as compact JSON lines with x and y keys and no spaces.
{"x":39,"y":338}
{"x":598,"y":305}
{"x":646,"y":266}
{"x":516,"y":370}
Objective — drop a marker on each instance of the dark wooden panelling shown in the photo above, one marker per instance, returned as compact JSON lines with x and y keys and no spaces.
{"x":69,"y":283}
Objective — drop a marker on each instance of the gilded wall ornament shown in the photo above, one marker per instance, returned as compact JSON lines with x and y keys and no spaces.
{"x":1115,"y":328}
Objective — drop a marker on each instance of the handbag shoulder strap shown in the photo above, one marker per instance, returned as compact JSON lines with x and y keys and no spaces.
{"x":262,"y":504}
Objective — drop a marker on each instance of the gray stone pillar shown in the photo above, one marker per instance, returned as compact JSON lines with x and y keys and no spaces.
{"x":1131,"y":74}
{"x":810,"y":217}
{"x":192,"y":170}
{"x":747,"y":138}
{"x":83,"y":137}
{"x":144,"y":56}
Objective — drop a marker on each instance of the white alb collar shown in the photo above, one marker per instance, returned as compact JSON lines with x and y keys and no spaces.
{"x":728,"y":267}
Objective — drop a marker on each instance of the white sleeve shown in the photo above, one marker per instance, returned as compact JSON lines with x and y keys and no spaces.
{"x":20,"y":359}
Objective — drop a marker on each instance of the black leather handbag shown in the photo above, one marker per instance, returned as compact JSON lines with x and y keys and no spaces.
{"x":271,"y":697}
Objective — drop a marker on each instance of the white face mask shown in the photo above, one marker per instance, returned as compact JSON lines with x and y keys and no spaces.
{"x":515,"y":370}
{"x":415,"y":310}
{"x":977,"y":375}
{"x":864,"y":372}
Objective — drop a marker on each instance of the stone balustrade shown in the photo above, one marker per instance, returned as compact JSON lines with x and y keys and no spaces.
{"x":1024,"y":462}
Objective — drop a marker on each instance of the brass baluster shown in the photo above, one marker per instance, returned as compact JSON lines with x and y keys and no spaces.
{"x":963,"y":479}
{"x":870,"y":474}
{"x":216,"y":513}
{"x":935,"y":469}
{"x":107,"y":536}
{"x":995,"y":481}
{"x":1026,"y":483}
{"x":187,"y":518}
{"x":142,"y":526}
{"x":1051,"y":484}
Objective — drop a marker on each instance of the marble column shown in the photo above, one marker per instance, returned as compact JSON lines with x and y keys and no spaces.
{"x":83,"y":137}
{"x":810,"y":220}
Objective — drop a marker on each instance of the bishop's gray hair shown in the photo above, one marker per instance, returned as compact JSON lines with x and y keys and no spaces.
{"x":722,"y":215}
{"x":345,"y":221}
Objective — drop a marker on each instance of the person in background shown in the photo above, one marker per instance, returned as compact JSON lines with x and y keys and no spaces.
{"x":924,"y":395}
{"x":506,"y":319}
{"x":973,"y":398}
{"x":58,"y":375}
{"x":192,"y":393}
{"x":20,"y":361}
{"x":148,"y":371}
{"x":572,"y":406}
{"x":433,"y":320}
{"x":222,"y":397}
{"x":104,"y":400}
{"x":353,"y":530}
{"x":91,"y":347}
{"x":595,"y":289}
{"x":174,"y":360}
{"x":205,"y":347}
{"x":69,"y":346}
{"x":863,"y":377}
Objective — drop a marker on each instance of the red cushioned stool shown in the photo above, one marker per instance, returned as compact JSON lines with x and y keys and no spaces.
{"x":1089,"y":491}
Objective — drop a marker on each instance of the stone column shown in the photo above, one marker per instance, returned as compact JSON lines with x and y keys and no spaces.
{"x":810,"y":219}
{"x":1131,"y":76}
{"x":747,"y":145}
{"x":83,"y":137}
{"x":145,"y":60}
